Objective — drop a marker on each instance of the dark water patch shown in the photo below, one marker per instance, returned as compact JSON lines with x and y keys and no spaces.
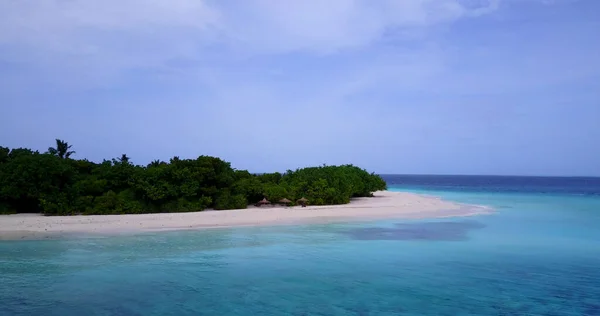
{"x":434,"y":231}
{"x":572,"y":186}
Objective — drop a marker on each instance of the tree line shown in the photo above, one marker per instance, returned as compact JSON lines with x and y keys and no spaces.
{"x":53,"y":183}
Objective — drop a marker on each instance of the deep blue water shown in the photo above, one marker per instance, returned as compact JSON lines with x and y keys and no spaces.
{"x":538,"y":254}
{"x":579,"y":186}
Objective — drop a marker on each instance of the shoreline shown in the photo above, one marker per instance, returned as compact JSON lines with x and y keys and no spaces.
{"x":384,"y":205}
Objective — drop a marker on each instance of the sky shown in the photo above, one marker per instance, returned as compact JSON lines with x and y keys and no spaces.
{"x":502,"y":87}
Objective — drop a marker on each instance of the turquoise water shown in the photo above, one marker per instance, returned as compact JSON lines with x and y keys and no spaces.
{"x":537,"y":255}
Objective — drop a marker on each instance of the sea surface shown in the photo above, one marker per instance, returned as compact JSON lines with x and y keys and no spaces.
{"x":537,"y":254}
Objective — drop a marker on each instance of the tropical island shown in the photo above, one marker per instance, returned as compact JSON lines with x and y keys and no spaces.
{"x":54,"y":183}
{"x":78,"y":197}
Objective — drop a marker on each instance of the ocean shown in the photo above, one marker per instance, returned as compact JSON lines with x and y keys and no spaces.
{"x":537,"y":254}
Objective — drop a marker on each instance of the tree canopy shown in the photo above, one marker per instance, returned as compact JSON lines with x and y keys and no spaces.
{"x":53,"y":183}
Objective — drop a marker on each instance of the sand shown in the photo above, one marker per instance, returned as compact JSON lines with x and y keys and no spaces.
{"x":383,"y":205}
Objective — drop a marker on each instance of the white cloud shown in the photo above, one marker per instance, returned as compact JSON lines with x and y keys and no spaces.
{"x":91,"y":43}
{"x":81,"y":43}
{"x":335,"y":75}
{"x":261,"y":25}
{"x":39,"y":20}
{"x":328,"y":26}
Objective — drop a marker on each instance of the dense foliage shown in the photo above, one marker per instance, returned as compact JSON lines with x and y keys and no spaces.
{"x":53,"y":183}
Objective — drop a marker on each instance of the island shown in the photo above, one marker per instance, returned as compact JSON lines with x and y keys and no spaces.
{"x":53,"y":194}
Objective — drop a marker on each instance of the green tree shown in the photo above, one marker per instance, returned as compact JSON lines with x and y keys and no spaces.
{"x":61,"y":150}
{"x":54,"y":185}
{"x":4,"y":152}
{"x":124,"y":159}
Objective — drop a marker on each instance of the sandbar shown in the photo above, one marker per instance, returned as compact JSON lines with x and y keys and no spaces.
{"x":383,"y":205}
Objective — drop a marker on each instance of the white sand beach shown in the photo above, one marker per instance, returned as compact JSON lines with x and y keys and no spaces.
{"x":385,"y":204}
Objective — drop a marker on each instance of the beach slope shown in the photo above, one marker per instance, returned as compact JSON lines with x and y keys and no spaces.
{"x":384,"y":204}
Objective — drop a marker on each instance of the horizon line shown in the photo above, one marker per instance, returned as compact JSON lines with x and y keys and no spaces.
{"x":462,"y":175}
{"x":486,"y":175}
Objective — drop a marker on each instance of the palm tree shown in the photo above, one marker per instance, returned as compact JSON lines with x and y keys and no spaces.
{"x":61,"y":150}
{"x":124,"y":159}
{"x":155,"y":163}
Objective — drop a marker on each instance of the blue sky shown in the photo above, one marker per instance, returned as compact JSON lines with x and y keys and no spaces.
{"x":395,"y":86}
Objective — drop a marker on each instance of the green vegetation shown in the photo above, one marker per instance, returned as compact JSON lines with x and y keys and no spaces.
{"x":53,"y":183}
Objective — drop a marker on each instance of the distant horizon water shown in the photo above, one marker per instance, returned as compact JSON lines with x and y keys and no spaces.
{"x":486,"y":175}
{"x":537,"y":254}
{"x":388,"y":175}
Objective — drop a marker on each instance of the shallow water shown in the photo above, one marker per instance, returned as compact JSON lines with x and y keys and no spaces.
{"x":537,"y":255}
